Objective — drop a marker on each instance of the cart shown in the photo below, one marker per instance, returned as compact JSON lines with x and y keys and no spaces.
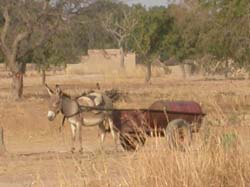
{"x":176,"y":120}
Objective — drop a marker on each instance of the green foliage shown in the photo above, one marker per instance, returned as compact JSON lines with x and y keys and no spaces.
{"x":1,"y":24}
{"x":65,"y":47}
{"x":183,"y":40}
{"x":229,"y":32}
{"x":92,"y":17}
{"x":148,"y":37}
{"x":218,"y":28}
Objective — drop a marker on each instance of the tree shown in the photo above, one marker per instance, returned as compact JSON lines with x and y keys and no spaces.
{"x":1,"y":54}
{"x":91,"y":18}
{"x":147,"y":39}
{"x":191,"y":22}
{"x":67,"y":45}
{"x":27,"y":25}
{"x":120,"y":24}
{"x":225,"y":35}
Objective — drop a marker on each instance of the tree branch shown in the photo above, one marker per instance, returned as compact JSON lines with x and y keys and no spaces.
{"x":4,"y":46}
{"x":116,"y":34}
{"x":122,"y":30}
{"x":120,"y":27}
{"x":107,"y":25}
{"x":20,"y":37}
{"x":46,"y":36}
{"x":45,"y":4}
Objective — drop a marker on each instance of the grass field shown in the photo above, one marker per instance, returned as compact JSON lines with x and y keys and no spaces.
{"x":39,"y":154}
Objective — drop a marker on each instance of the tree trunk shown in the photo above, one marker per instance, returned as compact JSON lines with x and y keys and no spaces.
{"x":17,"y":85}
{"x":2,"y":145}
{"x":43,"y":76}
{"x":149,"y":72}
{"x":17,"y":71}
{"x":183,"y":70}
{"x":122,"y":57}
{"x":226,"y":70}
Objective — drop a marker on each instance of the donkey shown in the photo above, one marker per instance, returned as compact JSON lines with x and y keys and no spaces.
{"x":77,"y":115}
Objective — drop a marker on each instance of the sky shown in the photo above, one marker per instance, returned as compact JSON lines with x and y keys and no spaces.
{"x":149,"y":3}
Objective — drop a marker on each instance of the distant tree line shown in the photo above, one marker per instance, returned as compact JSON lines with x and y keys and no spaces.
{"x":57,"y":32}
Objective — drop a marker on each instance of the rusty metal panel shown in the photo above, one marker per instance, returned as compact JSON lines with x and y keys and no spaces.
{"x":182,"y":107}
{"x":190,"y":111}
{"x":157,"y":116}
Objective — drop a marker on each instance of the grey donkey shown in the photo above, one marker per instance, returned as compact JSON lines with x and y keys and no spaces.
{"x":78,"y":112}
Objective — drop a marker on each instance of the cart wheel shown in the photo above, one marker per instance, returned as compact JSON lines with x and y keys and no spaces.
{"x":132,"y":141}
{"x":179,"y":134}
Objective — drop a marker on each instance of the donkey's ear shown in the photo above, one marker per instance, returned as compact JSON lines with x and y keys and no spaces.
{"x":58,"y":90}
{"x":98,"y":86}
{"x":50,"y":91}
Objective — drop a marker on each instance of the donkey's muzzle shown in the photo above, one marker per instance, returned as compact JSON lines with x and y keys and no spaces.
{"x":51,"y":115}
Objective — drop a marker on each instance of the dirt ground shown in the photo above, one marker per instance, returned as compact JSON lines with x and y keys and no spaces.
{"x":39,"y":154}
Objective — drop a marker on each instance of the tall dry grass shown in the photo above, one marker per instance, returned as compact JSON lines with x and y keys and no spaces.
{"x":218,"y":163}
{"x":216,"y":158}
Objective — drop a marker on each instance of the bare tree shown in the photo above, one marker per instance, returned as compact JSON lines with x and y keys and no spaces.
{"x":120,"y":28}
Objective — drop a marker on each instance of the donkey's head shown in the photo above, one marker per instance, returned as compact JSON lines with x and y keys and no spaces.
{"x":55,"y":102}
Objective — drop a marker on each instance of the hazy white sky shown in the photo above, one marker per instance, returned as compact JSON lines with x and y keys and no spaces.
{"x":152,"y":2}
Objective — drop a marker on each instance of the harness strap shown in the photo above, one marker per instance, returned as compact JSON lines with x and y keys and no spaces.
{"x":69,"y":116}
{"x":81,"y":109}
{"x":140,"y":109}
{"x":74,"y":114}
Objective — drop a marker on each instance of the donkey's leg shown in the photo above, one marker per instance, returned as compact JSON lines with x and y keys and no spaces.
{"x":79,"y":131}
{"x":102,"y":131}
{"x":73,"y":129}
{"x":113,"y":131}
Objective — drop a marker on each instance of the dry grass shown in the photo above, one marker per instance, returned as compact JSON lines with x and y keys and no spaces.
{"x":220,"y":160}
{"x":219,"y":155}
{"x":212,"y":166}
